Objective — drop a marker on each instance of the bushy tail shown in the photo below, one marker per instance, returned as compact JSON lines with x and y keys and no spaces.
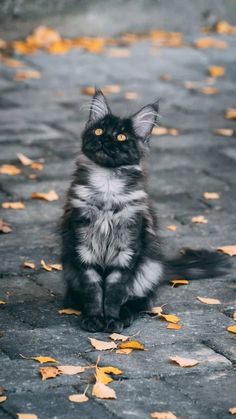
{"x":198,"y":264}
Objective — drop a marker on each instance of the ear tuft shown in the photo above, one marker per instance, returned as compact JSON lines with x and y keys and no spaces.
{"x":144,"y":120}
{"x":99,"y":107}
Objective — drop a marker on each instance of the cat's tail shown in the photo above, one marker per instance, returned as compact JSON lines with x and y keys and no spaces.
{"x":198,"y":264}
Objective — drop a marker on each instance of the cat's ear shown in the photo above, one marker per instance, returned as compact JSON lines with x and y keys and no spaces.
{"x":99,"y":107}
{"x":144,"y":120}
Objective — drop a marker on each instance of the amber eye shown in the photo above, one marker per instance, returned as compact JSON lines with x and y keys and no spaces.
{"x":98,"y":131}
{"x":121,"y":137}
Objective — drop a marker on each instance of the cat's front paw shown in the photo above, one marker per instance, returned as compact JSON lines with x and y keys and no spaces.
{"x":113,"y":325}
{"x":92,"y":323}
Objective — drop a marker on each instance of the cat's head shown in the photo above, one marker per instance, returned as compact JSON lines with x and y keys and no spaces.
{"x":111,"y":141}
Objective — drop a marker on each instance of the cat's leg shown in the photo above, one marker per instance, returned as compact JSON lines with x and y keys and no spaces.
{"x":85,"y":291}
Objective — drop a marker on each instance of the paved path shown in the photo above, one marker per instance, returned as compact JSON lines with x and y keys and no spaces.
{"x":43,"y":119}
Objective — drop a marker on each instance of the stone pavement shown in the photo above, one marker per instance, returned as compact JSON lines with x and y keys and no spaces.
{"x":43,"y":119}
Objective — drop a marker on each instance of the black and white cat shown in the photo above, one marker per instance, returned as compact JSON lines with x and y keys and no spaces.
{"x":111,"y":252}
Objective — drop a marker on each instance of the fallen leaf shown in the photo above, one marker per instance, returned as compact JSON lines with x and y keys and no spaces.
{"x":131,"y":95}
{"x":167,"y":39}
{"x":232,"y":329}
{"x":208,"y":90}
{"x":3,"y":399}
{"x":232,"y":410}
{"x":101,"y":345}
{"x":56,"y":266}
{"x":119,"y":52}
{"x":171,"y":318}
{"x":117,"y":336}
{"x":200,"y":219}
{"x":10,"y":62}
{"x":4,"y":227}
{"x":230,"y":113}
{"x":3,"y":44}
{"x":43,"y":36}
{"x":191,"y":85}
{"x":211,"y":195}
{"x":47,"y":196}
{"x":210,"y":43}
{"x":165,"y":77}
{"x":216,"y":71}
{"x":209,"y":300}
{"x":69,"y":311}
{"x":70,"y":369}
{"x":2,"y":302}
{"x":89,"y":90}
{"x":40,"y":359}
{"x":179,"y":282}
{"x":26,"y":75}
{"x":228,"y":250}
{"x":132,"y":344}
{"x":24,"y":159}
{"x":111,"y":88}
{"x":26,"y":416}
{"x":60,"y":47}
{"x":164,"y":131}
{"x":78,"y":398}
{"x":9,"y":169}
{"x":224,"y":132}
{"x":184,"y":362}
{"x":111,"y":370}
{"x":174,"y":326}
{"x":155,"y":310}
{"x":102,"y":391}
{"x":30,"y":265}
{"x":13,"y":205}
{"x":234,"y":315}
{"x":45,"y":266}
{"x":37,"y":166}
{"x":124,"y":351}
{"x":171,"y":228}
{"x":49,"y":372}
{"x":102,"y":377}
{"x":163,"y":415}
{"x":224,"y":27}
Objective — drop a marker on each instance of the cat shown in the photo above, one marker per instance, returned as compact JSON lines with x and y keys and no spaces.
{"x":111,"y":252}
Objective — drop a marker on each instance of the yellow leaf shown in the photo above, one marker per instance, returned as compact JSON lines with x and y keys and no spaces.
{"x":230,"y":113}
{"x":111,"y":370}
{"x":111,"y":88}
{"x":232,"y":410}
{"x":179,"y":282}
{"x":40,"y":359}
{"x":210,"y":43}
{"x":224,"y":27}
{"x":69,"y":311}
{"x":24,"y":159}
{"x":102,"y":391}
{"x":232,"y":329}
{"x":184,"y":362}
{"x":216,"y":71}
{"x":89,"y":90}
{"x":49,"y":372}
{"x":36,"y":166}
{"x":117,"y":336}
{"x":208,"y":300}
{"x":9,"y":169}
{"x":13,"y":205}
{"x":78,"y":398}
{"x":47,"y":196}
{"x":228,"y":250}
{"x":155,"y":310}
{"x":234,"y":315}
{"x":171,"y":228}
{"x":163,"y":415}
{"x":27,"y":74}
{"x":2,"y":302}
{"x":211,"y":195}
{"x":100,"y":345}
{"x":131,"y":95}
{"x":171,"y":318}
{"x":60,"y":47}
{"x":3,"y":399}
{"x":132,"y":344}
{"x":119,"y":52}
{"x":124,"y":351}
{"x":10,"y":62}
{"x":164,"y":131}
{"x":4,"y":227}
{"x":70,"y":369}
{"x":45,"y":266}
{"x":102,"y":377}
{"x":225,"y":132}
{"x":26,"y":416}
{"x":209,"y":90}
{"x":200,"y":219}
{"x":56,"y":266}
{"x":174,"y":326}
{"x":30,"y":265}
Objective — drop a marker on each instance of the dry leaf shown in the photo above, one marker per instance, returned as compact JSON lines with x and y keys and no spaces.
{"x":40,"y":359}
{"x":124,"y":351}
{"x":69,"y":311}
{"x":210,"y":43}
{"x":70,"y":369}
{"x":2,"y":302}
{"x":171,"y":318}
{"x":13,"y":205}
{"x":131,"y":95}
{"x":3,"y":44}
{"x":3,"y":399}
{"x":191,"y":85}
{"x":45,"y":266}
{"x":208,"y":90}
{"x":234,"y":315}
{"x":174,"y":326}
{"x":228,"y":250}
{"x":224,"y":132}
{"x":167,"y":39}
{"x":102,"y":391}
{"x":47,"y":196}
{"x":27,"y":74}
{"x":4,"y":227}
{"x":179,"y":282}
{"x":49,"y":372}
{"x":117,"y":336}
{"x":224,"y":27}
{"x":24,"y":159}
{"x":171,"y":228}
{"x":164,"y":131}
{"x":9,"y":169}
{"x":216,"y":71}
{"x":119,"y":52}
{"x":208,"y":300}
{"x":56,"y":266}
{"x":132,"y":344}
{"x":184,"y":362}
{"x":232,"y":329}
{"x":155,"y":310}
{"x":10,"y":62}
{"x":230,"y":113}
{"x":200,"y":219}
{"x":30,"y":265}
{"x":101,"y":345}
{"x":163,"y":415}
{"x":102,"y":377}
{"x":60,"y":47}
{"x":43,"y":36}
{"x":78,"y":398}
{"x":37,"y":166}
{"x":26,"y":416}
{"x":111,"y":88}
{"x":89,"y":90}
{"x":232,"y":410}
{"x":211,"y":195}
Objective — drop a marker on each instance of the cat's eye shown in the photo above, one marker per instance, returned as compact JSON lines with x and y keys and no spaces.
{"x":121,"y":137}
{"x":98,"y":131}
